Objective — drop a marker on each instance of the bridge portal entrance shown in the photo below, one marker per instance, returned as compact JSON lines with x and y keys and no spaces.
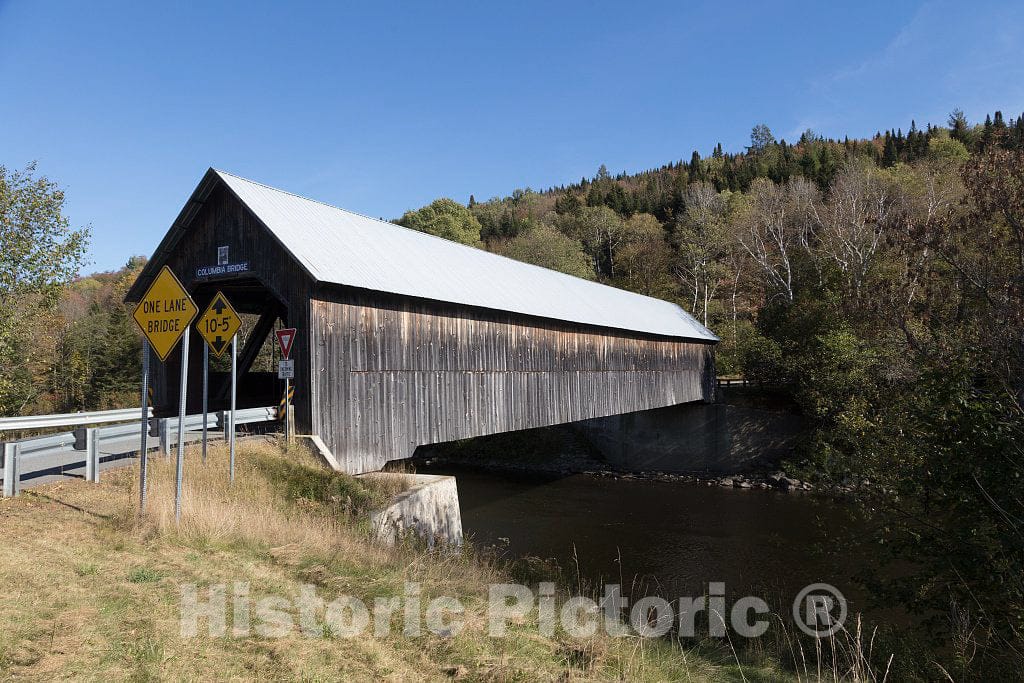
{"x":261,"y":312}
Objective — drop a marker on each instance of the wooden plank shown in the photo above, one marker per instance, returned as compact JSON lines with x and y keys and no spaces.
{"x":423,"y":372}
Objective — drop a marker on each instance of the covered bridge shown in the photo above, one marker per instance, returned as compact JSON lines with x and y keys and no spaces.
{"x":407,"y":339}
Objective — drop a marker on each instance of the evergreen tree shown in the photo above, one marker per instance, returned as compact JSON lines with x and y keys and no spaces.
{"x":696,"y":168}
{"x":808,"y":163}
{"x":568,"y":203}
{"x":827,"y":166}
{"x":999,"y":131}
{"x":958,"y":125}
{"x":727,"y":181}
{"x":889,"y":152}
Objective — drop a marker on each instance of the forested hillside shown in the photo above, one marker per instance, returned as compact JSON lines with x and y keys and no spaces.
{"x":879,"y":284}
{"x":716,"y":234}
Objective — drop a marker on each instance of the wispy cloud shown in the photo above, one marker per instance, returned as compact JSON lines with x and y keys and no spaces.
{"x":947,"y":55}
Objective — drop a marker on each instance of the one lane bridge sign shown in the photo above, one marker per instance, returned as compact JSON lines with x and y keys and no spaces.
{"x":218,"y":324}
{"x":165,"y":312}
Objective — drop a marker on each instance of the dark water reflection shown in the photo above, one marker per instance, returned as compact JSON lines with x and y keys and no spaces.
{"x":672,"y":538}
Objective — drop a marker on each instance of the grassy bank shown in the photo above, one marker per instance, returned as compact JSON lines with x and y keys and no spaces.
{"x":92,"y":589}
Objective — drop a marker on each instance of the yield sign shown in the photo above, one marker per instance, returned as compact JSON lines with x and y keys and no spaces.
{"x":165,"y":312}
{"x":218,"y":324}
{"x":285,"y":338}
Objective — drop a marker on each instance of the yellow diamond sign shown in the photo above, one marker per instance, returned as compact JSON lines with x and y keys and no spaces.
{"x":165,"y":312}
{"x":218,"y":324}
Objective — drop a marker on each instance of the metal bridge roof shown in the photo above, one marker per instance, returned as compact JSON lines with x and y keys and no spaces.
{"x":340,"y":247}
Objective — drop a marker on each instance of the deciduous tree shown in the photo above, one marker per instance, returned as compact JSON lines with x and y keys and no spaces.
{"x":39,"y":254}
{"x":543,"y":245}
{"x":445,"y":218}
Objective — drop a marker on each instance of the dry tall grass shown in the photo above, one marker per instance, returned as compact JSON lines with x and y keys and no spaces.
{"x":255,"y":507}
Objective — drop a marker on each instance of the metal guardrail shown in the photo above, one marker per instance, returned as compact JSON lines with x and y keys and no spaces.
{"x":10,"y":424}
{"x":18,"y":455}
{"x":193,"y":423}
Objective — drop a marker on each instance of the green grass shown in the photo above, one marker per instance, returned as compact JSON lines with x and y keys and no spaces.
{"x":143,"y":575}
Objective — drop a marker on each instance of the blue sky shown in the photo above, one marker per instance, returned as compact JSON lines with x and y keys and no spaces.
{"x":381,"y":107}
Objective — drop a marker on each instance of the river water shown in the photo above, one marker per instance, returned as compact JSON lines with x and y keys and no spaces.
{"x":665,"y":538}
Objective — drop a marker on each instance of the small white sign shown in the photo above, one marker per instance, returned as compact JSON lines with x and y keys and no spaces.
{"x":286,"y":369}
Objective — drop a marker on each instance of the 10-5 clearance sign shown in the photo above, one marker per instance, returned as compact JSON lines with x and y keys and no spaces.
{"x":219,"y":324}
{"x":165,"y":312}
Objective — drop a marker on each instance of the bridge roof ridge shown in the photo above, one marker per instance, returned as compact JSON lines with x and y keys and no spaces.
{"x":342,"y":247}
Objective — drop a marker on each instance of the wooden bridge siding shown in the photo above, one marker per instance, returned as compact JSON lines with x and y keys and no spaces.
{"x":389,"y":375}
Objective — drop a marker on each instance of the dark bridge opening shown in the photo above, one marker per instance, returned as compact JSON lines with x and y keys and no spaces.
{"x":261,"y":312}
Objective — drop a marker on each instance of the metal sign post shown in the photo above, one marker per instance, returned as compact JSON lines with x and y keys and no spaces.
{"x":218,"y":325}
{"x":164,"y":315}
{"x":206,"y":393}
{"x":286,"y":371}
{"x":181,"y":426}
{"x":234,"y":378}
{"x":143,"y":441}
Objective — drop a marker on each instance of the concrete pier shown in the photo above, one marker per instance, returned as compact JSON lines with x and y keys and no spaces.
{"x":428,"y":510}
